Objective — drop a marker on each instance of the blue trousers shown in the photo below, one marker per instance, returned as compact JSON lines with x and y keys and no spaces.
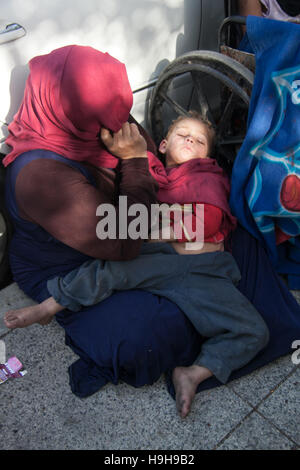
{"x":203,"y":286}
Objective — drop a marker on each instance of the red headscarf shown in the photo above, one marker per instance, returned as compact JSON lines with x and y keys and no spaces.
{"x":70,"y":94}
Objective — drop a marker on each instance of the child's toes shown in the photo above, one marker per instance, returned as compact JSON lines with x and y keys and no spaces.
{"x":10,"y":320}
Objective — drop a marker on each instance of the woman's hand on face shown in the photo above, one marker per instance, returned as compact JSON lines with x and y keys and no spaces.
{"x":126,"y":143}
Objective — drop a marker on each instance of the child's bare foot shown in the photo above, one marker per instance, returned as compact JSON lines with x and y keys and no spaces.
{"x":186,"y":381}
{"x":26,"y":316}
{"x":41,"y":313}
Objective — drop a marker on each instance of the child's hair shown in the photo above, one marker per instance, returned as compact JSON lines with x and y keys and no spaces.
{"x":198,"y":117}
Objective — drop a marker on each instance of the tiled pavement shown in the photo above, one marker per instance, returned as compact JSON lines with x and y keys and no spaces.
{"x":39,"y":411}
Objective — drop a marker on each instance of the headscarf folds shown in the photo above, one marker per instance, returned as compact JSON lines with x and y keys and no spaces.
{"x":69,"y":95}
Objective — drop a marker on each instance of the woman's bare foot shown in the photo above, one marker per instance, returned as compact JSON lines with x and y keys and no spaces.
{"x":186,"y":381}
{"x":41,"y":313}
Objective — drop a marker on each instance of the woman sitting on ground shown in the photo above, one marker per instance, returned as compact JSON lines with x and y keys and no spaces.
{"x":206,"y":294}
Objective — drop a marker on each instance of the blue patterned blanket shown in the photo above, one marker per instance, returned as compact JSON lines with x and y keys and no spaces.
{"x":265,"y":193}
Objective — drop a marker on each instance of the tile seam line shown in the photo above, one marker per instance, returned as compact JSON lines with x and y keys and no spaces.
{"x":3,"y":335}
{"x":278,"y":429}
{"x":295,"y":444}
{"x":254,"y":409}
{"x":234,"y":428}
{"x":289,"y":374}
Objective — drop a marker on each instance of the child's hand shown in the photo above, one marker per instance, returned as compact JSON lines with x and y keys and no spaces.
{"x":126,"y":143}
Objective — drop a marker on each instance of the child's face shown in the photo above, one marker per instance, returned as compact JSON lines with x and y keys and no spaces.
{"x":189,"y":139}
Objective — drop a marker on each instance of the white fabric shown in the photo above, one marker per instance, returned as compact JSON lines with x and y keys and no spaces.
{"x":274,"y":12}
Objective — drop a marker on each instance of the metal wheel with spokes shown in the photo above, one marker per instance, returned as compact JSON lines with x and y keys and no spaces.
{"x":211,"y":83}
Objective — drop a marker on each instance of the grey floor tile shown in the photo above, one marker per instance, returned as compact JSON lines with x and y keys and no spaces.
{"x":164,"y":429}
{"x":35,"y":343}
{"x":10,"y":298}
{"x":255,"y":387}
{"x":42,"y":413}
{"x":282,"y":407}
{"x":256,"y":433}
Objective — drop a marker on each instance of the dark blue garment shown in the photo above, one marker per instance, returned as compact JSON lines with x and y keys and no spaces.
{"x":202,"y":285}
{"x":34,"y":254}
{"x":265,"y":180}
{"x":136,"y":336}
{"x":245,"y":45}
{"x":262,"y":286}
{"x":132,"y":336}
